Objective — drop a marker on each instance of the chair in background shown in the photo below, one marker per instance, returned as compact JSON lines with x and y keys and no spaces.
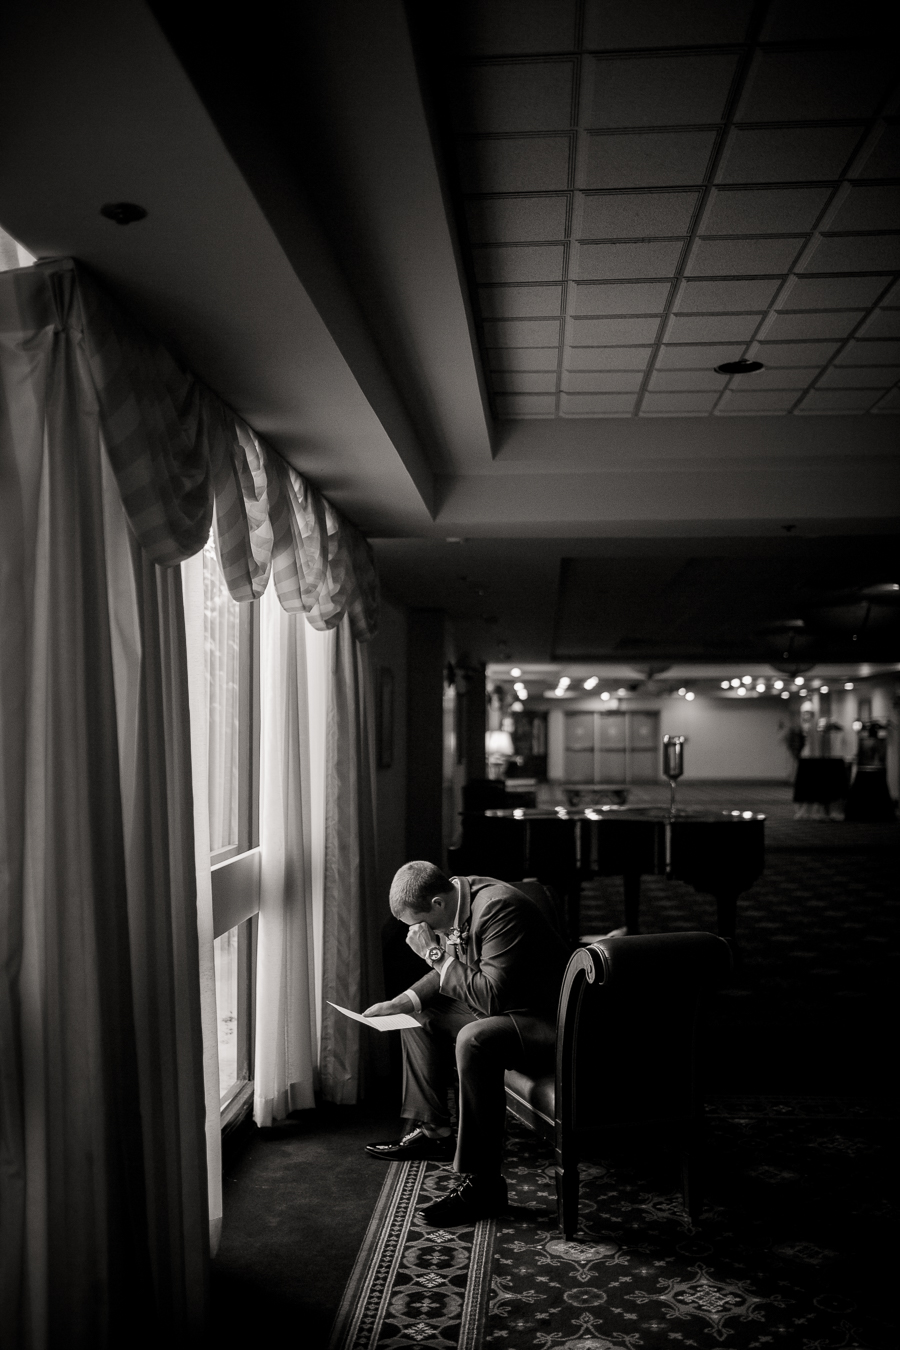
{"x":547,"y":901}
{"x":626,"y":1052}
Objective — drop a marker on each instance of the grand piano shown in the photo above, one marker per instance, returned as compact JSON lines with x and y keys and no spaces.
{"x":718,"y":852}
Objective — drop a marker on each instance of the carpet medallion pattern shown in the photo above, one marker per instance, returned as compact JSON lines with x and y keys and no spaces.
{"x":786,"y":1252}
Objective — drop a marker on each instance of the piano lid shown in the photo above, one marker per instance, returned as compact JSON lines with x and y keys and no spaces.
{"x":600,"y":814}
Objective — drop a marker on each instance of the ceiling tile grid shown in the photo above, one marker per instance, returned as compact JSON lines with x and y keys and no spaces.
{"x":649,"y":191}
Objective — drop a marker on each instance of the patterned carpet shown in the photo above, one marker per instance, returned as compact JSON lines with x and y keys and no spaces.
{"x":791,"y":1250}
{"x":800,"y":1217}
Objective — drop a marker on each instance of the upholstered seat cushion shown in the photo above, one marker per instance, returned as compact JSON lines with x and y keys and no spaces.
{"x":535,"y":1094}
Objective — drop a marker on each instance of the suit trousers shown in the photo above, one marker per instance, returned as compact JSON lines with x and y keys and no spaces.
{"x":483,"y":1048}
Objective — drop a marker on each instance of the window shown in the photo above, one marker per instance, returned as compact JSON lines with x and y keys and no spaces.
{"x":234,"y":956}
{"x":232,"y":665}
{"x":231,"y":650}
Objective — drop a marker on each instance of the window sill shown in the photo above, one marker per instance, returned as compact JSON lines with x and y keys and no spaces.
{"x":235,"y":890}
{"x":237,"y":1105}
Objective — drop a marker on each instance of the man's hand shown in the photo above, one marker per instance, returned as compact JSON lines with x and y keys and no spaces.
{"x":400,"y":1004}
{"x":421,"y":937}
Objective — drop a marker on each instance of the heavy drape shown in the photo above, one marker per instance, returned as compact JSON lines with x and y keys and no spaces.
{"x":182,"y":458}
{"x":103,"y":1156}
{"x":351,"y":977}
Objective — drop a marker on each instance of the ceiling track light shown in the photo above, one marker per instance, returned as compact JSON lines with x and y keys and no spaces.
{"x":123,"y":213}
{"x":739,"y":367}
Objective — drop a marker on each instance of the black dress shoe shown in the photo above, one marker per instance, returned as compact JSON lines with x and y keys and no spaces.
{"x":414,"y":1146}
{"x":473,"y":1199}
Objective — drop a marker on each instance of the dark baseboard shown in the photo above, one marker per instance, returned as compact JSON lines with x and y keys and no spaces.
{"x":237,"y":1134}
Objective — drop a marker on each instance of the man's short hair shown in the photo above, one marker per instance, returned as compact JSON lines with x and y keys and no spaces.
{"x":415,"y":886}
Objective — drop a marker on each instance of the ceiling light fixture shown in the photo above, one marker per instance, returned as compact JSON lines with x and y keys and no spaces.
{"x":726,"y":684}
{"x":515,"y":672}
{"x":592,"y":682}
{"x":689,"y":695}
{"x":739,"y":367}
{"x":605,"y":695}
{"x":123,"y":213}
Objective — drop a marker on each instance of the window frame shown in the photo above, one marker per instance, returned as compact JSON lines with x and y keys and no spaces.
{"x":235,"y":869}
{"x":238,"y":1096}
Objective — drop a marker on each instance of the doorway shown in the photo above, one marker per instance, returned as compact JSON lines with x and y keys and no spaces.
{"x":612,"y":747}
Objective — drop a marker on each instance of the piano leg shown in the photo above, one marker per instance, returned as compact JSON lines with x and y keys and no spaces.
{"x":573,"y":908}
{"x":632,"y":882}
{"x":726,"y":914}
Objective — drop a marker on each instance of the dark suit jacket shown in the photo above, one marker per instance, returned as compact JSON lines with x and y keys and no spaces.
{"x":509,"y":961}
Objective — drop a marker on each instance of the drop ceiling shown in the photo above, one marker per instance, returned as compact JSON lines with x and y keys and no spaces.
{"x":470,"y":267}
{"x":646,"y":198}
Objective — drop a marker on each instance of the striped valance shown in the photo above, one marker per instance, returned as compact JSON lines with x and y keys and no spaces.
{"x":184,"y":460}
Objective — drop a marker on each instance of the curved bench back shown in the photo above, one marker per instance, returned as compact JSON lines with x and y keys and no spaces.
{"x":627,"y":1028}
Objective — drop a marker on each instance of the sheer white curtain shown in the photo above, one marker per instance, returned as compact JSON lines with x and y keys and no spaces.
{"x":319,"y":922}
{"x":320,"y":919}
{"x":319,"y":647}
{"x":286,"y":1022}
{"x":192,"y":580}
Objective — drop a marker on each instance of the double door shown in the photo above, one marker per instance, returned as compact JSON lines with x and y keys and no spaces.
{"x":612,"y":747}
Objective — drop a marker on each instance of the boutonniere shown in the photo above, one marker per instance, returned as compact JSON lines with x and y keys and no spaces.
{"x":457,"y":938}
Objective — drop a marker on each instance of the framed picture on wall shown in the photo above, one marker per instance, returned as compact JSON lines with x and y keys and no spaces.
{"x":384,"y":717}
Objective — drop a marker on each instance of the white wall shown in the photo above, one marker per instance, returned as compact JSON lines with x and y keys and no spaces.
{"x":388,"y":648}
{"x":556,"y":755}
{"x":725,"y":738}
{"x":729,"y":739}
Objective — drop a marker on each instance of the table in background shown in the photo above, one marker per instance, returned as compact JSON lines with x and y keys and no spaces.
{"x":719,"y":852}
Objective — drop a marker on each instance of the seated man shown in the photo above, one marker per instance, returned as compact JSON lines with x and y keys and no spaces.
{"x":492,"y":993}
